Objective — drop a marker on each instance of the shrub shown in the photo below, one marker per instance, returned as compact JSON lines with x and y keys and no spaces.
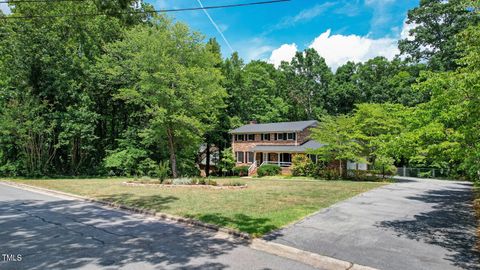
{"x":146,"y":180}
{"x":126,"y":161}
{"x":200,"y":181}
{"x":385,"y":166}
{"x":162,"y":170}
{"x":302,"y":166}
{"x":425,"y":174}
{"x":182,"y":181}
{"x":227,"y":162}
{"x":268,"y":170}
{"x":241,"y":170}
{"x":146,"y":167}
{"x":234,"y":184}
{"x":362,"y":175}
{"x":330,"y":174}
{"x":211,"y":182}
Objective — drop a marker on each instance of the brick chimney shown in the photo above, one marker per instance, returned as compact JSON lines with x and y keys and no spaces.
{"x":253,"y":122}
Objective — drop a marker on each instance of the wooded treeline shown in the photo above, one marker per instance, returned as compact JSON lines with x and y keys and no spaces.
{"x":124,"y":94}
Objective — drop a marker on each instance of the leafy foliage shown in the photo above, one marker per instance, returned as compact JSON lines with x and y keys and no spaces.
{"x":227,"y":161}
{"x":240,"y":170}
{"x":268,"y":170}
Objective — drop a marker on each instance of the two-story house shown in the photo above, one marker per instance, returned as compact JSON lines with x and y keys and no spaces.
{"x":272,"y":143}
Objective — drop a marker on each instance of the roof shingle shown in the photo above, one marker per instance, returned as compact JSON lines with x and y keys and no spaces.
{"x":275,"y":127}
{"x":309,"y":145}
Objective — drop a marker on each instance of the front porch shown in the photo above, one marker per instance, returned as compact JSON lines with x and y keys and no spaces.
{"x":283,"y":160}
{"x":280,"y":159}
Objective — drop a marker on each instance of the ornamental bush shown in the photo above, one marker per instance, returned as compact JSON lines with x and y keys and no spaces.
{"x":241,"y":170}
{"x":302,"y":166}
{"x":268,"y":170}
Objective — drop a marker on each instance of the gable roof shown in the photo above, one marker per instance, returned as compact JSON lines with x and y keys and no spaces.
{"x":310,"y":145}
{"x":275,"y":127}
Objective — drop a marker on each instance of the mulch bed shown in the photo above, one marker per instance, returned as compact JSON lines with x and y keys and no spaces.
{"x":183,"y":186}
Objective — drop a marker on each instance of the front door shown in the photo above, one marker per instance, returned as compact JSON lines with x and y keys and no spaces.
{"x":259,"y":158}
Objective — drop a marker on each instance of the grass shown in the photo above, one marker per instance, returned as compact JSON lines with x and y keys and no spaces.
{"x":266,"y":204}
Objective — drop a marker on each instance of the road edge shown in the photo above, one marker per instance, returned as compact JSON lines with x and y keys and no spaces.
{"x":302,"y":256}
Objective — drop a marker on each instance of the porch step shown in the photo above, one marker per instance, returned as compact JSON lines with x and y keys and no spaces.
{"x":253,"y":172}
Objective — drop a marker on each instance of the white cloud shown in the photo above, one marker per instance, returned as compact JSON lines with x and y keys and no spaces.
{"x":405,"y":33}
{"x":4,"y":8}
{"x":285,"y":53}
{"x":339,"y":49}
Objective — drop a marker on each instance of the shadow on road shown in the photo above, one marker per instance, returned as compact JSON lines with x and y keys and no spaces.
{"x":71,"y":234}
{"x":451,"y":224}
{"x":254,"y":226}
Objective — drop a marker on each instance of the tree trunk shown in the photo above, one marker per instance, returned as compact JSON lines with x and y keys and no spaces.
{"x":207,"y":160}
{"x":171,"y":149}
{"x":340,"y":167}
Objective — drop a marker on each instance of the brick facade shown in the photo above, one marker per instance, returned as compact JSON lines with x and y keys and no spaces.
{"x":247,"y":146}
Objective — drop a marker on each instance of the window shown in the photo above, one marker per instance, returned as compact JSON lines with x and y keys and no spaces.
{"x":280,"y":136}
{"x":240,"y":157}
{"x":250,"y":157}
{"x":239,"y":137}
{"x":266,"y":137}
{"x":251,"y":137}
{"x":291,"y":136}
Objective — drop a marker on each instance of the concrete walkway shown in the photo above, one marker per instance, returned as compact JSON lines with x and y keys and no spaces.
{"x":412,"y":224}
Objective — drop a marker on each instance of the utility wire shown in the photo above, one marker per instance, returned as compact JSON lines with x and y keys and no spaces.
{"x":138,"y":11}
{"x":37,"y":1}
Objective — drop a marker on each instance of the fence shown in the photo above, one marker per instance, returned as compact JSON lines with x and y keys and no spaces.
{"x":423,"y":172}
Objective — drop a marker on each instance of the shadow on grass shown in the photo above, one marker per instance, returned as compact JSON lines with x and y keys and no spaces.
{"x":242,"y":222}
{"x":450,"y":224}
{"x":154,"y":202}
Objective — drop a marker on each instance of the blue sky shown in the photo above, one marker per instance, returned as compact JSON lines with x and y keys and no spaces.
{"x":359,"y":29}
{"x":340,"y":31}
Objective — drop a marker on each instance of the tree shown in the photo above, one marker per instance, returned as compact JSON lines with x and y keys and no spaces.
{"x":340,"y":138}
{"x":452,"y":116}
{"x":307,"y":79}
{"x":178,"y":87}
{"x":435,"y":25}
{"x":227,"y":161}
{"x":44,"y":69}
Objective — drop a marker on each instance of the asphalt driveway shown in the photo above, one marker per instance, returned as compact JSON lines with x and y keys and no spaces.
{"x":54,"y":233}
{"x":413,"y":224}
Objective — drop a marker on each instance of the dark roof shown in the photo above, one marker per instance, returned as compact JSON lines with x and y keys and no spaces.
{"x":309,"y":145}
{"x":275,"y":127}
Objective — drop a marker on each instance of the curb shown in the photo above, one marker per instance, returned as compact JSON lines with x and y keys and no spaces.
{"x":302,"y":256}
{"x":305,"y":257}
{"x":163,"y":216}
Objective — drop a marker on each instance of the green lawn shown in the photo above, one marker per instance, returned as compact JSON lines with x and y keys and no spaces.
{"x":266,"y":204}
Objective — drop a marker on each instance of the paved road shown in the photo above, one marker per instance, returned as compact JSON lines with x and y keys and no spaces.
{"x":413,"y":224}
{"x":53,"y":233}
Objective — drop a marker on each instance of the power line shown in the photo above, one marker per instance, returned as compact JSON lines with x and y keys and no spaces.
{"x":37,"y":1}
{"x":139,"y":11}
